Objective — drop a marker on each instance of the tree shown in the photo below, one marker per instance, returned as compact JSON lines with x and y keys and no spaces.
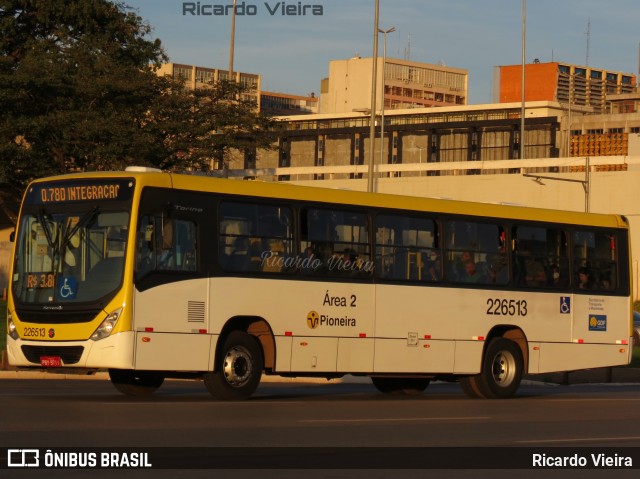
{"x":205,"y":127}
{"x":76,"y":86}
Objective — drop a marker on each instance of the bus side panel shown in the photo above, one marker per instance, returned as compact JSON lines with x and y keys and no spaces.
{"x":175,"y":307}
{"x":411,"y":356}
{"x":309,"y":354}
{"x":283,"y":354}
{"x":355,"y":355}
{"x":415,"y":326}
{"x":171,"y":324}
{"x":173,"y":351}
{"x":307,"y":318}
{"x":568,"y":357}
{"x":598,"y":318}
{"x":468,"y":359}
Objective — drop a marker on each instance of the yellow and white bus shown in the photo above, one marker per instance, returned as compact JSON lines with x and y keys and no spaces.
{"x":152,"y":275}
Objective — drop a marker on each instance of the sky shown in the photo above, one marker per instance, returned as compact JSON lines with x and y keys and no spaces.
{"x":292,"y":52}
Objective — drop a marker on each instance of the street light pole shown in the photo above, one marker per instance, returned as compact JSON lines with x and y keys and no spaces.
{"x":374,"y":82}
{"x":232,"y":42}
{"x":586,"y":183}
{"x":384,"y":72}
{"x":524,"y":43}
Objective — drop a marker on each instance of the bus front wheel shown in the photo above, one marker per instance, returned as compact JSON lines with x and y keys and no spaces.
{"x":239,"y":368}
{"x":502,"y":370}
{"x":135,"y":383}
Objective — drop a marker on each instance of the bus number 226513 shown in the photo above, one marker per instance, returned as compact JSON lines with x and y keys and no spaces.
{"x":506,"y":307}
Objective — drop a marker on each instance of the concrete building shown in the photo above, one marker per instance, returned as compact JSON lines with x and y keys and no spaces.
{"x":406,"y":84}
{"x":582,"y":87}
{"x":202,"y":77}
{"x":278,"y":104}
{"x":417,"y":138}
{"x":270,"y":102}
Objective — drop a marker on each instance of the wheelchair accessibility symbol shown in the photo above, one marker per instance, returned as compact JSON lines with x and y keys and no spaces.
{"x":68,"y":289}
{"x":565,"y":304}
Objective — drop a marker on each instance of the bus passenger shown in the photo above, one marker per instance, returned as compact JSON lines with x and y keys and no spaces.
{"x":471,"y":274}
{"x":535,"y":273}
{"x":434,"y":267}
{"x":584,"y":279}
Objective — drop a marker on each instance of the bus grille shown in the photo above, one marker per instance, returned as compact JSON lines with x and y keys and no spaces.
{"x":68,"y":354}
{"x":57,"y":317}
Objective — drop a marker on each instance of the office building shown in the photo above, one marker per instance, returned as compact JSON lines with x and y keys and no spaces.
{"x":582,"y":87}
{"x":406,"y":84}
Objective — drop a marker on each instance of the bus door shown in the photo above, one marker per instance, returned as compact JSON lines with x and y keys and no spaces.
{"x":170,"y":298}
{"x":337,"y":328}
{"x":411,"y":317}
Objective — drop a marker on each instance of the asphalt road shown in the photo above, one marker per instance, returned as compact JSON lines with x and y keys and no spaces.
{"x":181,"y":415}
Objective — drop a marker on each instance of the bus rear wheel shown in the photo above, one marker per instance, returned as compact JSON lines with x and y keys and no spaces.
{"x":469,"y":385}
{"x":135,"y":383}
{"x":239,"y":368}
{"x":502,"y":370}
{"x":400,"y":386}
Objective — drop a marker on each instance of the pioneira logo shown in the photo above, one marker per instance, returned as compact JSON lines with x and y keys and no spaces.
{"x":284,"y":9}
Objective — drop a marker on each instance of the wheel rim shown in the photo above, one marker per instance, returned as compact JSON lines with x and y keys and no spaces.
{"x":237,"y":366}
{"x":504,"y":368}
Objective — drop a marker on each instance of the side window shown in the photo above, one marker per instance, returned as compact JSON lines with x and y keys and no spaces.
{"x":475,"y":253}
{"x":255,"y":237}
{"x":338,"y":242}
{"x":185,"y":247}
{"x":407,"y":249}
{"x":540,"y":257}
{"x":595,"y":256}
{"x":165,"y":244}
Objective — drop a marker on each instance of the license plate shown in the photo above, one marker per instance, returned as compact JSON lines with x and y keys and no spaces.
{"x":50,"y":361}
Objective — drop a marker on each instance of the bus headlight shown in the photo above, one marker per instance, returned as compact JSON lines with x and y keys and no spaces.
{"x":107,"y":326}
{"x":11,"y":327}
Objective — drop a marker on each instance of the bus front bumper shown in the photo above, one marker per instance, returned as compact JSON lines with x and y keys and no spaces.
{"x":113,"y":352}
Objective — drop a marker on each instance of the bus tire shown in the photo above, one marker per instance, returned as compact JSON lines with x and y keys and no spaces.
{"x":400,"y":386}
{"x":239,"y":368}
{"x":502,"y":369}
{"x":136,"y":383}
{"x":469,"y":385}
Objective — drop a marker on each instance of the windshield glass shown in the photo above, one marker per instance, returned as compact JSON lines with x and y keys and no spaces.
{"x":69,"y":256}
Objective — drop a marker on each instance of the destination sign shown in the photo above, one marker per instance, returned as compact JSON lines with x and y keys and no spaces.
{"x":79,"y":191}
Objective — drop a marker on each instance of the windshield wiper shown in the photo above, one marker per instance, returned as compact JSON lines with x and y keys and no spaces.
{"x":63,"y":235}
{"x":45,"y":219}
{"x":86,"y":220}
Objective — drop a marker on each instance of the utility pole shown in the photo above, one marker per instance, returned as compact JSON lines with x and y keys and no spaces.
{"x":374,"y":83}
{"x":522,"y":109}
{"x":232,"y":42}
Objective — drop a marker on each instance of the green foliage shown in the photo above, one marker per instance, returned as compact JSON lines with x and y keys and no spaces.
{"x":3,"y":324}
{"x":208,"y":124}
{"x":75,"y":80}
{"x":79,"y":92}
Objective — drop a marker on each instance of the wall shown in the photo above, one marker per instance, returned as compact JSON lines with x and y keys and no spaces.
{"x":540,"y":82}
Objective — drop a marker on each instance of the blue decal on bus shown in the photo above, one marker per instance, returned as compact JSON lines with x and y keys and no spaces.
{"x":597,"y":322}
{"x":565,"y":304}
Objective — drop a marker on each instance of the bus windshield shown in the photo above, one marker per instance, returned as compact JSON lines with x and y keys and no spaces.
{"x":64,"y":257}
